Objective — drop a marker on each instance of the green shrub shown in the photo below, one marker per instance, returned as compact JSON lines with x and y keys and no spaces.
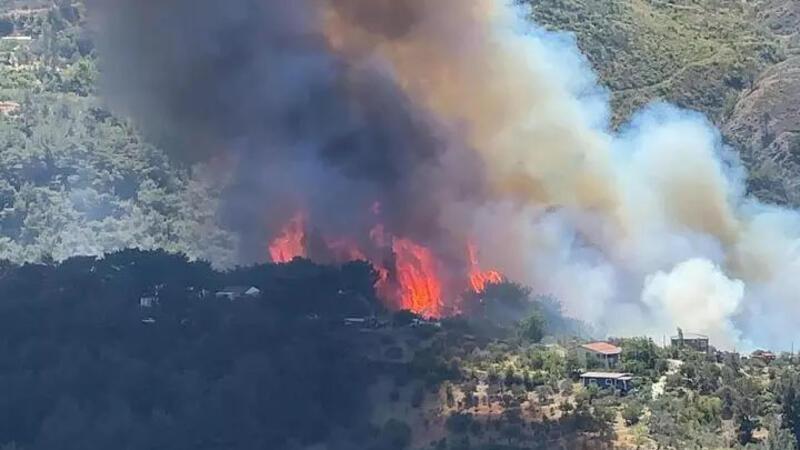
{"x":632,"y":412}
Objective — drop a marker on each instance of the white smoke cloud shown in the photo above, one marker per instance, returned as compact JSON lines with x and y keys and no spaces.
{"x":652,"y":228}
{"x":696,"y":295}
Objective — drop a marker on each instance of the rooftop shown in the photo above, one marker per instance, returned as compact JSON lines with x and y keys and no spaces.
{"x":602,"y":347}
{"x":608,"y":375}
{"x":238,"y":290}
{"x":692,"y":336}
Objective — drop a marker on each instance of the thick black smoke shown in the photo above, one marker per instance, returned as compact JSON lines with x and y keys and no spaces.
{"x":311,"y":128}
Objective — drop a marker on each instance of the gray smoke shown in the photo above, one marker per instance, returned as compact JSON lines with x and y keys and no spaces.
{"x":466,"y":123}
{"x":309,"y":128}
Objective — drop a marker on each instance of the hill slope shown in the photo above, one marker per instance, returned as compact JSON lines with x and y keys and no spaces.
{"x":731,"y":60}
{"x":73,"y":177}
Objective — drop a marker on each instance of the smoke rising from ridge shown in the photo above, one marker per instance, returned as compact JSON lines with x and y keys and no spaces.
{"x":461,"y":120}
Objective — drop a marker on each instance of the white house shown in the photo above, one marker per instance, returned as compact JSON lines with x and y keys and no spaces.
{"x":148,"y":302}
{"x":232,"y":293}
{"x":605,"y":380}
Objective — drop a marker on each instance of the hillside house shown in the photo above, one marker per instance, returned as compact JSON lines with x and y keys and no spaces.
{"x":355,"y":322}
{"x":17,"y":38}
{"x":423,"y":323}
{"x":232,"y":293}
{"x":149,"y":299}
{"x":8,"y":108}
{"x":148,"y":302}
{"x":608,"y":380}
{"x":764,"y":355}
{"x":697,"y":342}
{"x":599,"y":354}
{"x":365,"y":322}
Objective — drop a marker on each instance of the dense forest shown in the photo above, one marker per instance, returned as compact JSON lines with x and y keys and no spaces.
{"x":148,"y":350}
{"x":84,"y":365}
{"x":75,"y":178}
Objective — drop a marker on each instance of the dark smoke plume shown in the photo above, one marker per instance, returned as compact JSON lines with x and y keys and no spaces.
{"x":464,"y":122}
{"x":311,"y":128}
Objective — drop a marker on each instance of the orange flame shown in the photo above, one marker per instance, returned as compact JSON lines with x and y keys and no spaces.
{"x":477,"y":278}
{"x":412,"y":279}
{"x":420,"y":289}
{"x":291,"y":242}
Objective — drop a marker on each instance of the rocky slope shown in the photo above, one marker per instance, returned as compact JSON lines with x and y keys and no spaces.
{"x":765,"y":123}
{"x":738,"y":62}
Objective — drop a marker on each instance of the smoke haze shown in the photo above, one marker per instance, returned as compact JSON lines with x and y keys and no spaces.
{"x":461,"y":120}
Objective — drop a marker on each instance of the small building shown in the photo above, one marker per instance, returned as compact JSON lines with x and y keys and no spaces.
{"x":423,"y":323}
{"x":622,"y":382}
{"x":764,"y":355}
{"x":697,"y":342}
{"x":232,"y":293}
{"x":364,"y":323}
{"x":599,"y":354}
{"x":8,"y":108}
{"x":16,"y":38}
{"x":148,"y":302}
{"x":355,"y":322}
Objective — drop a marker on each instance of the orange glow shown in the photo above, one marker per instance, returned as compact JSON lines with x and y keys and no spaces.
{"x":291,"y":242}
{"x":410,"y":276}
{"x":478,"y":279}
{"x":420,"y":289}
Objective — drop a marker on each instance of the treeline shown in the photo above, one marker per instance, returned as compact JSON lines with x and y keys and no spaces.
{"x":84,"y":366}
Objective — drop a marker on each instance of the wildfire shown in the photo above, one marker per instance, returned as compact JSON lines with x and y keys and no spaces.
{"x":290,"y":243}
{"x":412,"y":278}
{"x":479,"y":279}
{"x":420,"y":289}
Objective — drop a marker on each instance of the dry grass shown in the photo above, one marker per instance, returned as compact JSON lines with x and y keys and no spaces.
{"x":697,"y":53}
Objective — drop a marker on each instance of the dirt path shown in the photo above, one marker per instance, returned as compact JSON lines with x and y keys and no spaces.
{"x":648,"y":87}
{"x":658,"y":387}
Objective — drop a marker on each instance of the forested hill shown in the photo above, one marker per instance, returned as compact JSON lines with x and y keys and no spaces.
{"x":147,"y":350}
{"x":86,"y":363}
{"x":74,"y":178}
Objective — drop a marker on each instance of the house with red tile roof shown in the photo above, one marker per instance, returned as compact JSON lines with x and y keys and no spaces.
{"x":599,"y":354}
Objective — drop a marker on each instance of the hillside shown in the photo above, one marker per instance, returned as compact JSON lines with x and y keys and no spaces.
{"x":74,"y":178}
{"x":151,"y":347}
{"x":162,"y":356}
{"x":732,"y":60}
{"x":698,"y":54}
